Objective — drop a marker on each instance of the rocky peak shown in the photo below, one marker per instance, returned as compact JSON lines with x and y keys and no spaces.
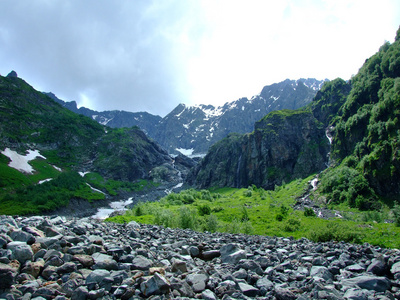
{"x":12,"y":74}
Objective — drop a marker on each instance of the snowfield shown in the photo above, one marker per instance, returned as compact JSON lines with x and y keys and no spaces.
{"x":21,"y":162}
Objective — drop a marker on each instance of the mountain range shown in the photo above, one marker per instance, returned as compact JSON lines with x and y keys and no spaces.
{"x":348,"y":133}
{"x":191,"y":130}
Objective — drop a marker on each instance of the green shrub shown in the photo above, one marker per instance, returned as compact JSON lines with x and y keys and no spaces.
{"x":309,"y":212}
{"x":204,"y":210}
{"x":291,"y":225}
{"x":396,"y":214}
{"x":211,"y":224}
{"x":335,"y":232}
{"x":187,"y":218}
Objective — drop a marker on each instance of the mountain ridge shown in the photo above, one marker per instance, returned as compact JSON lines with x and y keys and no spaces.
{"x":191,"y":130}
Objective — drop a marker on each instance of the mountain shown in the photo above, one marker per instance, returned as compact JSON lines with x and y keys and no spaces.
{"x":285,"y":145}
{"x":192,"y":130}
{"x":356,"y":122}
{"x":113,"y":118}
{"x":32,"y":120}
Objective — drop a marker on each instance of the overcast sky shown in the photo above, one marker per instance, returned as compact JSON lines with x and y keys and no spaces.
{"x":143,"y":55}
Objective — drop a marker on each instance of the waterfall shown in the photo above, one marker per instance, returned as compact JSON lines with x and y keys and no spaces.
{"x":238,"y":172}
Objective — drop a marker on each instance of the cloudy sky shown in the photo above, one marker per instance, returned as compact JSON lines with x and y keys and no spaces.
{"x":143,"y":55}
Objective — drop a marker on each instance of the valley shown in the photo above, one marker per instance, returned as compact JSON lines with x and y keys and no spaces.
{"x":302,"y":179}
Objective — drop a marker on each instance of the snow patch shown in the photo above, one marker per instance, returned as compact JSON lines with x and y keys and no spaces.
{"x":21,"y":162}
{"x":57,"y":168}
{"x":45,"y":180}
{"x":186,"y":152}
{"x":96,"y":190}
{"x":83,"y":173}
{"x":104,"y":213}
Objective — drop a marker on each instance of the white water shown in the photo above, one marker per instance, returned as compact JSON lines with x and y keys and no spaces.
{"x":105,"y":212}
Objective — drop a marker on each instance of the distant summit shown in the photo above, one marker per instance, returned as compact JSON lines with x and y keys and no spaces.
{"x":12,"y":74}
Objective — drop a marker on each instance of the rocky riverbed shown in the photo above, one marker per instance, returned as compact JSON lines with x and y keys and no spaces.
{"x":60,"y":258}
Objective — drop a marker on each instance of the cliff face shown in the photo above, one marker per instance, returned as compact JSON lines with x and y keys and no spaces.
{"x":285,"y":145}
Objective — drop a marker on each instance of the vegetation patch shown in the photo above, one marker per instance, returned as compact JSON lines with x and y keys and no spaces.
{"x":261,"y":212}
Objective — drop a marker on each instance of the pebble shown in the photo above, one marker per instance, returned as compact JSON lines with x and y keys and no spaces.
{"x":71,"y":258}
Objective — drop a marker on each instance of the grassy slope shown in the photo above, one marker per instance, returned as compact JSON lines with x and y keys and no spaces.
{"x":256,"y":211}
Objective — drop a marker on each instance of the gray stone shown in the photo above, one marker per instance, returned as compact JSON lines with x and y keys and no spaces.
{"x":81,"y":293}
{"x":179,"y":265}
{"x":395,"y":268}
{"x":21,"y":251}
{"x":232,"y":254}
{"x":284,"y":294}
{"x":210,"y":254}
{"x":7,"y":276}
{"x":322,"y":272}
{"x":356,"y":268}
{"x":197,"y":281}
{"x":377,"y":267}
{"x":194,"y":251}
{"x":22,"y":236}
{"x":356,"y":294}
{"x":248,"y":290}
{"x":141,"y":263}
{"x":265,"y":283}
{"x":155,"y":285}
{"x":250,"y":265}
{"x":97,"y":276}
{"x":208,"y":295}
{"x":378,"y":284}
{"x":68,"y":267}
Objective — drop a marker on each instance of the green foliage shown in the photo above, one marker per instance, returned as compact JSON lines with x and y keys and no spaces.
{"x":187,"y":218}
{"x":368,"y":129}
{"x":396,"y":214}
{"x":309,"y":212}
{"x":48,"y":195}
{"x":345,"y":184}
{"x":334,"y":231}
{"x":204,"y":209}
{"x":229,"y":207}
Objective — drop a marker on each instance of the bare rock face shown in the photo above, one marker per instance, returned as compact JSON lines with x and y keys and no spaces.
{"x":108,"y":262}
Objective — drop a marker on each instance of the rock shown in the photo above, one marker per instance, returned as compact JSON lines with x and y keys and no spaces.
{"x":105,"y":262}
{"x":179,"y":265}
{"x":85,"y":260}
{"x":395,"y":268}
{"x":356,"y":294}
{"x":22,"y":236}
{"x":265,"y":284}
{"x":97,"y":276}
{"x":210,"y":254}
{"x":322,"y":272}
{"x":375,"y":283}
{"x":378,"y":267}
{"x":248,"y":290}
{"x":208,"y":295}
{"x":155,"y":285}
{"x":284,"y":294}
{"x":7,"y":276}
{"x":34,"y":268}
{"x":21,"y":251}
{"x":81,"y":293}
{"x":141,"y":263}
{"x":197,"y":281}
{"x":232,"y":254}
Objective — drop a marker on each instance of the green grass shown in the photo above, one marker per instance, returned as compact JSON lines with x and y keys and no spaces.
{"x":261,"y":212}
{"x":20,"y":193}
